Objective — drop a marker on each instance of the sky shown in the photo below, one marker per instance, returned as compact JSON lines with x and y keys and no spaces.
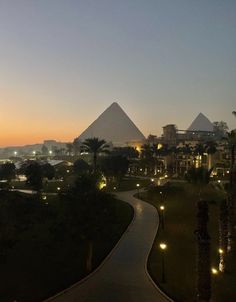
{"x":63,"y":62}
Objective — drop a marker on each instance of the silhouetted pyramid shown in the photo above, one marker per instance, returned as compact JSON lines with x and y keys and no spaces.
{"x":201,"y":123}
{"x":113,"y":125}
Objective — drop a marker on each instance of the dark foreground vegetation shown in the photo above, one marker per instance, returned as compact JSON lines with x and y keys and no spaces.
{"x":47,"y":245}
{"x":179,"y":232}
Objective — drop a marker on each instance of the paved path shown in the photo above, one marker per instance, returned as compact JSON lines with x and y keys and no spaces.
{"x":123,"y":276}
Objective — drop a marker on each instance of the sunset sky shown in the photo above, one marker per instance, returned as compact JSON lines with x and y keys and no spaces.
{"x":63,"y":62}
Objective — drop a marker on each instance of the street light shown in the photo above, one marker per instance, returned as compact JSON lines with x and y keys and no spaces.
{"x":163,"y":247}
{"x":162,"y":208}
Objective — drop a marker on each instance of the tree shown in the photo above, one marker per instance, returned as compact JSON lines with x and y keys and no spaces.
{"x":200,"y":177}
{"x":95,"y":146}
{"x":81,"y":167}
{"x":187,"y":150}
{"x":34,"y":175}
{"x":7,"y":172}
{"x":48,"y":171}
{"x":203,"y":253}
{"x":198,"y":152}
{"x":231,"y":141}
{"x":128,"y":152}
{"x":210,"y":148}
{"x":220,"y":129}
{"x":147,"y":157}
{"x":114,"y":167}
{"x":90,"y":207}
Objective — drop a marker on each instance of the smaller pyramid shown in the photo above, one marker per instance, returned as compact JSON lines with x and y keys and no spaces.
{"x":113,"y":125}
{"x":201,"y":123}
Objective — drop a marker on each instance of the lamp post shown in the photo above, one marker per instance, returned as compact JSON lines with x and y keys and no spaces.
{"x":163,"y":247}
{"x":162,"y":208}
{"x":138,"y":185}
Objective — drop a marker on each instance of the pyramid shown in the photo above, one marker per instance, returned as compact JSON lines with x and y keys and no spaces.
{"x":113,"y":125}
{"x":201,"y":123}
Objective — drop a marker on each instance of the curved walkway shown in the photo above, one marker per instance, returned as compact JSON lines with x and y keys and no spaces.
{"x":123,"y":276}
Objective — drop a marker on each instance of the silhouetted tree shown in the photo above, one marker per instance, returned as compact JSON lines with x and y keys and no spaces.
{"x":203,"y":255}
{"x":223,"y":233}
{"x":81,"y":167}
{"x":48,"y":171}
{"x":114,"y":167}
{"x":210,"y":148}
{"x":95,"y":146}
{"x":7,"y":172}
{"x":34,"y":175}
{"x":86,"y":201}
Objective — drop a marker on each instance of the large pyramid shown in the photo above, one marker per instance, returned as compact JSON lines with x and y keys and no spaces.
{"x":114,"y":126}
{"x":201,"y":123}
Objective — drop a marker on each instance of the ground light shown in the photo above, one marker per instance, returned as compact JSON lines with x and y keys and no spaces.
{"x":163,"y":247}
{"x":214,"y":271}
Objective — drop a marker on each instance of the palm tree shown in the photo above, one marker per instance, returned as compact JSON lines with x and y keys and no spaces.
{"x":95,"y":146}
{"x":203,"y":253}
{"x":210,"y":150}
{"x":187,"y":150}
{"x":231,"y":140}
{"x":200,"y":177}
{"x":199,"y":151}
{"x":147,"y":157}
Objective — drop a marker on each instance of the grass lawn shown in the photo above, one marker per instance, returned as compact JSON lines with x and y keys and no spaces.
{"x":43,"y":263}
{"x":180,"y":257}
{"x":130,"y":183}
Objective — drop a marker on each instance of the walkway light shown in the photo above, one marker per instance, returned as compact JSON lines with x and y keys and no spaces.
{"x":221,"y":251}
{"x":214,"y":271}
{"x":163,"y":247}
